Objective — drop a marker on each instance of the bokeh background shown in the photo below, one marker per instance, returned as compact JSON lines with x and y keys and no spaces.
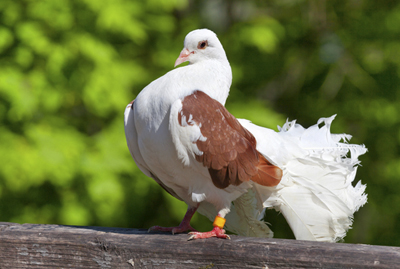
{"x":69,"y":67}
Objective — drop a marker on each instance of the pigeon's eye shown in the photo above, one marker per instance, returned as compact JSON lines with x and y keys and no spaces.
{"x":202,"y":44}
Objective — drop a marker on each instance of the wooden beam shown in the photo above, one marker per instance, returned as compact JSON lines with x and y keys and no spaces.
{"x":57,"y":246}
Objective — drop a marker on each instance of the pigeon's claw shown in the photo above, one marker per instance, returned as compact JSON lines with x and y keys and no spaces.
{"x":216,"y":232}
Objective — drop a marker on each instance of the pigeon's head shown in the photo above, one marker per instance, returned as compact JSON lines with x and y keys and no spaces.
{"x":200,"y":45}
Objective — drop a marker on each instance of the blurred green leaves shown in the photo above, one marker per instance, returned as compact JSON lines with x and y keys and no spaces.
{"x":263,"y":33}
{"x":68,"y":68}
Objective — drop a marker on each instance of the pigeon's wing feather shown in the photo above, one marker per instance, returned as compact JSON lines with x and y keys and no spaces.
{"x":203,"y":128}
{"x":132,"y":141}
{"x":132,"y":138}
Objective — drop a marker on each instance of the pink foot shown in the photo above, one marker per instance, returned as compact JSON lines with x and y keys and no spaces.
{"x":216,"y":232}
{"x":174,"y":230}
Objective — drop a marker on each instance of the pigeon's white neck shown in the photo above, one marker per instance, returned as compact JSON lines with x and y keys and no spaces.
{"x":214,"y":77}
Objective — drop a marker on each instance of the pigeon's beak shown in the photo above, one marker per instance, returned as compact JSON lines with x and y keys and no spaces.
{"x":183,"y":57}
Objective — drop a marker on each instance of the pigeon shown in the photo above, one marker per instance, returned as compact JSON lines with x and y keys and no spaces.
{"x":180,"y":134}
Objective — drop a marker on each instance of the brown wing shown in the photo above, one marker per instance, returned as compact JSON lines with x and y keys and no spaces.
{"x":229,"y":150}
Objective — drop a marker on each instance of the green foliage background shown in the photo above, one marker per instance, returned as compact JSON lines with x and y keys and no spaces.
{"x":68,"y":68}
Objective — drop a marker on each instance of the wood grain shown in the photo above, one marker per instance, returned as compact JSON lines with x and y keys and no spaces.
{"x":57,"y":246}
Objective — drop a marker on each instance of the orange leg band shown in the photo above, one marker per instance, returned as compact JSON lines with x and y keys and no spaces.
{"x":219,"y":222}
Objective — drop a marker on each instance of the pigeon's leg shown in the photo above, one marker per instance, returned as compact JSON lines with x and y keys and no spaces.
{"x":183,"y":227}
{"x":217,"y":231}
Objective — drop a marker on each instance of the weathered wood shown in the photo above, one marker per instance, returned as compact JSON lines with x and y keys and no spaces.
{"x":57,"y":246}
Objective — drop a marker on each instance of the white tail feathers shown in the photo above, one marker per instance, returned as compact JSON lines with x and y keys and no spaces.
{"x":315,"y":195}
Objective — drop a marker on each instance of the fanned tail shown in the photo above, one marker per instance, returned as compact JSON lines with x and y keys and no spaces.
{"x":315,"y":195}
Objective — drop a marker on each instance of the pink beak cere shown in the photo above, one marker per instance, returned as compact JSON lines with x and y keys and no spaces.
{"x":183,"y":57}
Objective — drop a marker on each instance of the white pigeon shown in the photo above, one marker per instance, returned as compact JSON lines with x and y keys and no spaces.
{"x":230,"y":170}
